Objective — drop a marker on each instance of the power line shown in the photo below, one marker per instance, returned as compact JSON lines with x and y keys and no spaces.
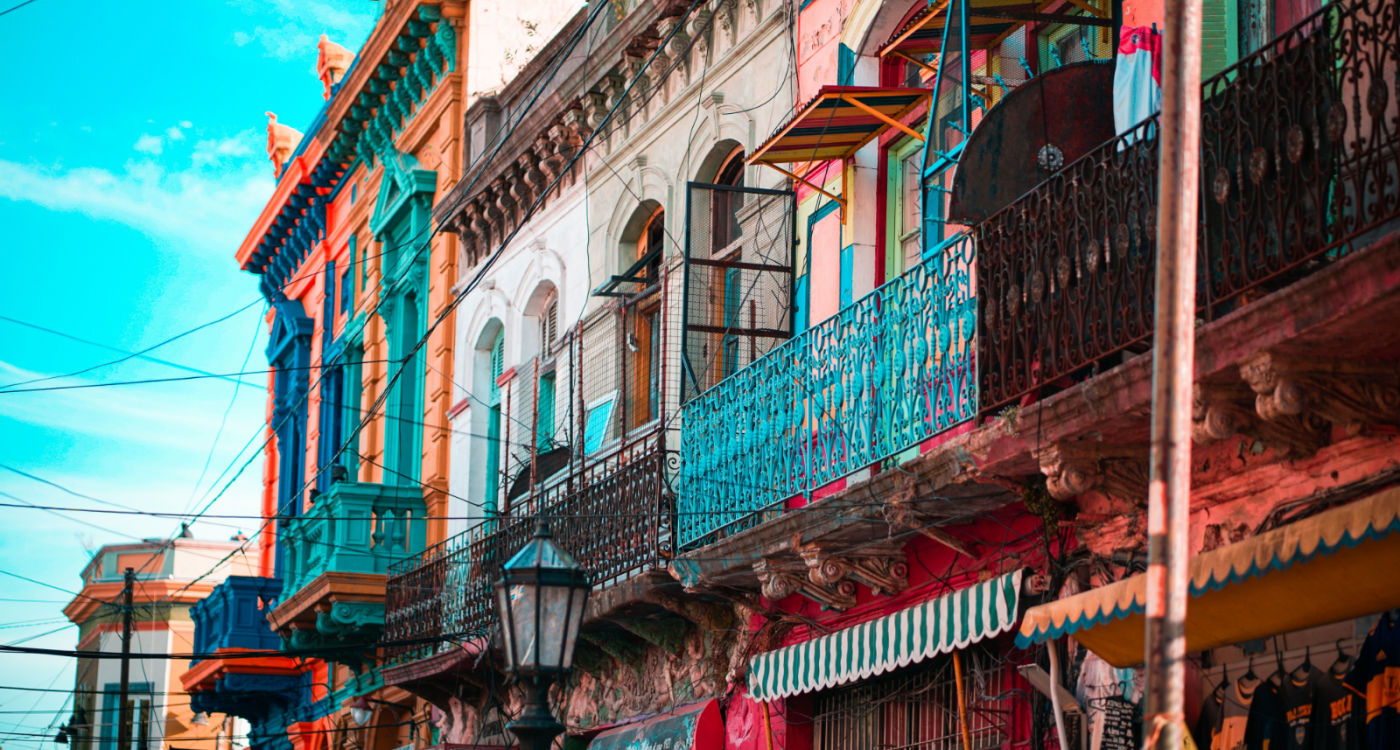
{"x":147,"y":381}
{"x":14,"y":8}
{"x":108,"y":347}
{"x":132,"y":355}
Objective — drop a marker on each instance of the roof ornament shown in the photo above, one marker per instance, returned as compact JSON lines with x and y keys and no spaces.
{"x":281,"y":141}
{"x":332,"y":62}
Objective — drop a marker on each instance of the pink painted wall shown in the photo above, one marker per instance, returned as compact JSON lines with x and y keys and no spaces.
{"x":819,"y":28}
{"x":825,"y":265}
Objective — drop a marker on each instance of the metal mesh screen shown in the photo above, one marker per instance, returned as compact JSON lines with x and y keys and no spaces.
{"x":917,"y":708}
{"x":737,"y":293}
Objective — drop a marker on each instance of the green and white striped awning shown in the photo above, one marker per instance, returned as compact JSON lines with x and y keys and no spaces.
{"x":923,"y":631}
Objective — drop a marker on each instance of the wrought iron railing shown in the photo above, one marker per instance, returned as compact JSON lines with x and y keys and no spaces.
{"x":884,"y":374}
{"x":615,"y":517}
{"x":1300,"y":157}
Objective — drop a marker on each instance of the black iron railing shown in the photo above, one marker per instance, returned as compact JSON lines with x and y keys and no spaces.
{"x":1300,"y":159}
{"x":616,"y":517}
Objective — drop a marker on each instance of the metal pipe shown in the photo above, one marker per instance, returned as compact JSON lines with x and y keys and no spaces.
{"x":962,"y":701}
{"x":1169,"y":477}
{"x":1055,"y":706}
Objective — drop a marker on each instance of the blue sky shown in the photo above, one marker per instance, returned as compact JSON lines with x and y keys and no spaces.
{"x":132,"y":162}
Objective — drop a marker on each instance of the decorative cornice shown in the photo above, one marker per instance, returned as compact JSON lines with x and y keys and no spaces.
{"x":1115,"y":469}
{"x":1348,"y":394}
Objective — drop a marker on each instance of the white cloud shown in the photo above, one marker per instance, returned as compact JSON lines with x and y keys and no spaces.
{"x":174,"y":133}
{"x":205,"y":207}
{"x":301,"y":24}
{"x":186,"y":124}
{"x":149,"y":144}
{"x":209,"y":151}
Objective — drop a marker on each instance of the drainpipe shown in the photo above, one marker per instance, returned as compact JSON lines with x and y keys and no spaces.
{"x":1169,"y":478}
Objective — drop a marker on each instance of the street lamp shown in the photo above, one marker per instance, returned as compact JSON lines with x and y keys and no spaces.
{"x":540,"y":596}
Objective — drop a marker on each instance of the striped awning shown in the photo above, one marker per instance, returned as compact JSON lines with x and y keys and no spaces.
{"x":909,"y":636}
{"x":1333,"y":566}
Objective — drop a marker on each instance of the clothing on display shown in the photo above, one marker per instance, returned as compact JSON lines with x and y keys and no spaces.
{"x":1266,"y":726}
{"x":1225,"y":715}
{"x":1376,"y":673}
{"x":1298,"y":696}
{"x":1340,"y":714}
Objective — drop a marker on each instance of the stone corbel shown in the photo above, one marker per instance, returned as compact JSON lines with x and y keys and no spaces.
{"x":1221,"y":410}
{"x":777,"y":582}
{"x":1072,"y":469}
{"x":521,"y":192}
{"x":880,"y":567}
{"x":899,"y":512}
{"x":1346,"y":393}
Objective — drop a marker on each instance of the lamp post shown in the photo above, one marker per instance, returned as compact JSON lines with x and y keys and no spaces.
{"x":540,"y":601}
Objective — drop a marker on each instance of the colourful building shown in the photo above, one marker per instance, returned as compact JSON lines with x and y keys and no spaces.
{"x":171,"y":578}
{"x":820,"y":333}
{"x":359,"y":286}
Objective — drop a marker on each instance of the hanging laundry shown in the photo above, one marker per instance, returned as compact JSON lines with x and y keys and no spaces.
{"x":1137,"y":78}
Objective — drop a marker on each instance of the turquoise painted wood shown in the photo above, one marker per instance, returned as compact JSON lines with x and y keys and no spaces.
{"x":354,"y":528}
{"x":887,"y":372}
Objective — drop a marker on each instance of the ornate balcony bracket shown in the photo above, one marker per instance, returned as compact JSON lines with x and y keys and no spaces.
{"x":1072,"y":469}
{"x":666,"y":633}
{"x":881,"y":567}
{"x":779,"y":579}
{"x":341,"y":624}
{"x":1220,"y":410}
{"x":1346,"y":393}
{"x":899,"y":513}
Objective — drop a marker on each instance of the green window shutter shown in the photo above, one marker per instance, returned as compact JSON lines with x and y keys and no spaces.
{"x":544,"y":425}
{"x":1219,"y":40}
{"x":498,"y":366}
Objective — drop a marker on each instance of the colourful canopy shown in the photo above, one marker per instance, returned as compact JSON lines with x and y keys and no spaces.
{"x":837,"y":121}
{"x":923,"y":631}
{"x":988,"y":23}
{"x":1333,"y":566}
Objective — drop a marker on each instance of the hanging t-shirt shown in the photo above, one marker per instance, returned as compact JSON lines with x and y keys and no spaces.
{"x":1297,"y":695}
{"x":1224,"y":717}
{"x":1377,"y":674}
{"x":1266,"y":726}
{"x":1235,"y":720}
{"x":1209,"y":722}
{"x":1339,"y":714}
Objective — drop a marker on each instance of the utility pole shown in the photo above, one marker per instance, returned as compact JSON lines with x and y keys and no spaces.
{"x":1173,"y":370}
{"x":124,"y":710}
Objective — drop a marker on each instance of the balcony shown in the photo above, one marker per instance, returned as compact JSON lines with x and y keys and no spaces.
{"x":615,"y":517}
{"x":336,"y":558}
{"x":233,"y":619}
{"x":888,"y":372}
{"x":1298,"y":167}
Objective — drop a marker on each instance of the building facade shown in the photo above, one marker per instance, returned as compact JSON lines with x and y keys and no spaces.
{"x":359,"y":286}
{"x":820,"y":334}
{"x":171,"y":578}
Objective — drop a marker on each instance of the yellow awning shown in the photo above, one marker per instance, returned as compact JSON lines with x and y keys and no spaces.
{"x":1338,"y":564}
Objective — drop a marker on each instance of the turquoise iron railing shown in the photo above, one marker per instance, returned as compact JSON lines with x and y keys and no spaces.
{"x":886,"y":373}
{"x":354,"y":528}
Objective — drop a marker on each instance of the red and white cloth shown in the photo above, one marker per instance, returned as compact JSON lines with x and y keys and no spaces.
{"x":1137,"y":77}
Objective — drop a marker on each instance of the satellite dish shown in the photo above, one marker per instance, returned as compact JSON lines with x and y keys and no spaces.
{"x":1033,"y":132}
